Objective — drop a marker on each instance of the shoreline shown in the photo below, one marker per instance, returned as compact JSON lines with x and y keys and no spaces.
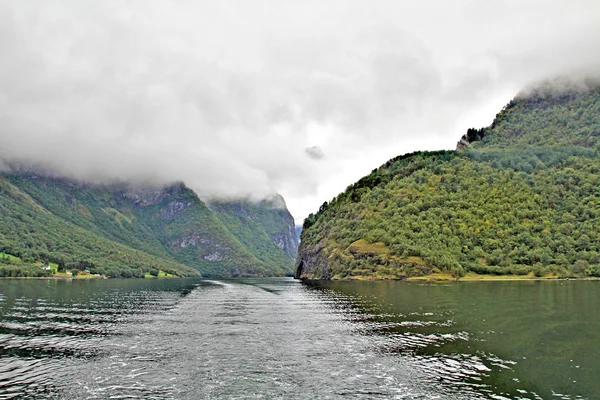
{"x":52,"y":277}
{"x":79,"y":278}
{"x":423,"y":279}
{"x":447,"y":279}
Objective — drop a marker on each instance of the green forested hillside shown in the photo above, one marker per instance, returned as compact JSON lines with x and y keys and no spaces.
{"x":519,"y":197}
{"x":109,"y":228}
{"x":30,"y":231}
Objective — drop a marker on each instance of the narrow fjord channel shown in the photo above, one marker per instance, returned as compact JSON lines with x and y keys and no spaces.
{"x":281,"y":338}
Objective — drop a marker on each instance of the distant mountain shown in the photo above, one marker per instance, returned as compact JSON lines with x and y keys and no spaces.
{"x":116,"y":227}
{"x":521,"y":196}
{"x":266,"y":228}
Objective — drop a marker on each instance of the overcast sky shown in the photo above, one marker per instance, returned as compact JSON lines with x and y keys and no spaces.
{"x":250,"y":97}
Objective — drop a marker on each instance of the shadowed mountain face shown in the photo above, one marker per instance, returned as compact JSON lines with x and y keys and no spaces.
{"x":518,"y":197}
{"x":78,"y":223}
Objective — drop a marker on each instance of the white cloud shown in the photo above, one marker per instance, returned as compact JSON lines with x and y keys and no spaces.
{"x":227,"y":96}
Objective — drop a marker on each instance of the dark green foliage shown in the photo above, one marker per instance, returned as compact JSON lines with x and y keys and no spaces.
{"x":474,"y":135}
{"x":19,"y":271}
{"x":14,"y":267}
{"x":523,"y":197}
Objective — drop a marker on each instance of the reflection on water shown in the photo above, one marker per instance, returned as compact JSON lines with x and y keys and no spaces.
{"x":279,"y":338}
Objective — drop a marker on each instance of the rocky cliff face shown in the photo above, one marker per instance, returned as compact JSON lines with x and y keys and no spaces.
{"x":312,"y":263}
{"x":280,"y":225}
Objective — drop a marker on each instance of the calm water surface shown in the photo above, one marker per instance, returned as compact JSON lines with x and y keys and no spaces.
{"x":280,"y":338}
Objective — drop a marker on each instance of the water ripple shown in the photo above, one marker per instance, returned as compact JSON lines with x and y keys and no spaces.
{"x":277,"y":338}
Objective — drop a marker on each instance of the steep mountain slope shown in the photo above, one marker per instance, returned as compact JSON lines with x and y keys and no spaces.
{"x":32,"y":232}
{"x":520,"y":196}
{"x":170,"y":224}
{"x":266,"y":228}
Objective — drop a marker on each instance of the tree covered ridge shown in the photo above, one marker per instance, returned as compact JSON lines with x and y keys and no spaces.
{"x":555,"y":113}
{"x":523,"y":197}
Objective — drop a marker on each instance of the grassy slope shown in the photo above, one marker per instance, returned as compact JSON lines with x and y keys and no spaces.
{"x":522,"y":198}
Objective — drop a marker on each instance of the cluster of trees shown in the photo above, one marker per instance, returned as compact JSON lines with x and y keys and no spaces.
{"x":525,"y":198}
{"x":22,"y":270}
{"x":11,"y":266}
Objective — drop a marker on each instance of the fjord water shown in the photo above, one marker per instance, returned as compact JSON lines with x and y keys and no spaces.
{"x":280,"y":338}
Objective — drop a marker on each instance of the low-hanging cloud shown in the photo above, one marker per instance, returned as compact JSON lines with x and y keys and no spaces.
{"x":231,"y":97}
